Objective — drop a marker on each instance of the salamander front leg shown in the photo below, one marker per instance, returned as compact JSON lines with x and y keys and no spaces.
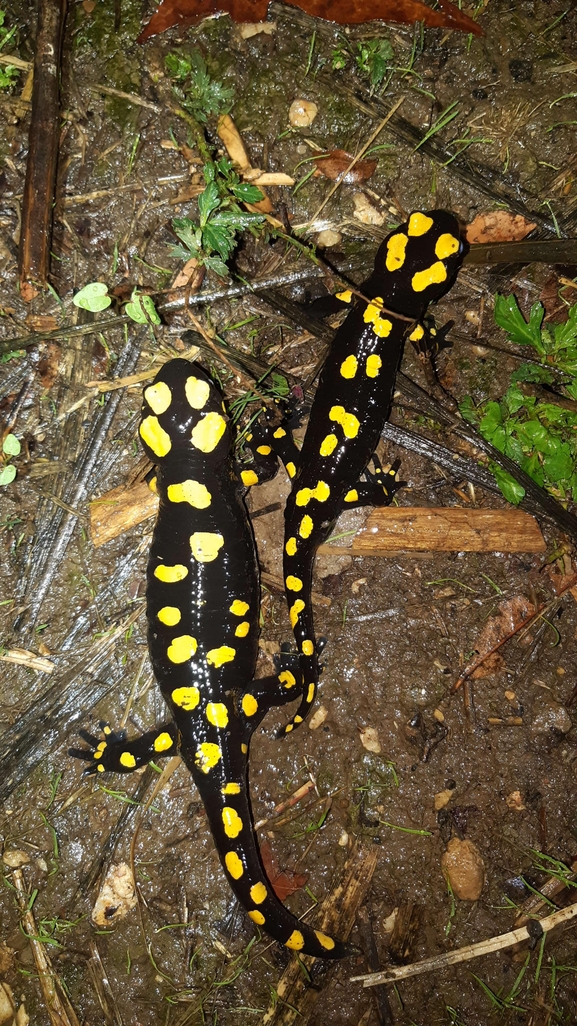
{"x":270,"y":692}
{"x":378,"y":488}
{"x":115,"y":753}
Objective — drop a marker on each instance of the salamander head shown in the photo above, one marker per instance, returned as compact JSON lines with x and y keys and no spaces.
{"x":183,"y":412}
{"x":417,"y":263}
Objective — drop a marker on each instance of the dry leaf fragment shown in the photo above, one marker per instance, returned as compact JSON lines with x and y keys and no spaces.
{"x":117,"y":896}
{"x":441,"y":799}
{"x":498,"y":226}
{"x":365,"y":212}
{"x":251,"y":28}
{"x":318,"y":717}
{"x":512,"y":613}
{"x":370,"y":739}
{"x":514,"y":801}
{"x":334,"y":165}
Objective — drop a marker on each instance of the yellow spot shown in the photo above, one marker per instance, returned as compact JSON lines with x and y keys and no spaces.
{"x":257,"y":917}
{"x":171,"y":574}
{"x":205,"y":545}
{"x":248,"y":478}
{"x":208,"y":432}
{"x":419,"y":224}
{"x":417,"y":333}
{"x":349,"y":423}
{"x":433,"y":275}
{"x":308,"y":648}
{"x":217,"y":656}
{"x":396,"y":247}
{"x":127,"y":760}
{"x":294,"y":611}
{"x":217,"y":714}
{"x":288,"y":728}
{"x":296,"y":941}
{"x":291,"y":469}
{"x":293,"y":583}
{"x":327,"y":942}
{"x":100,"y":768}
{"x":169,"y":615}
{"x":155,"y":437}
{"x":306,"y":526}
{"x":352,"y":495}
{"x":242,"y":629}
{"x":298,"y":719}
{"x":158,"y":397}
{"x":349,"y":367}
{"x":186,"y":698}
{"x":182,"y":649}
{"x":163,"y":742}
{"x":345,"y":297}
{"x":382,"y":326}
{"x":446,"y":245}
{"x":373,"y":365}
{"x":230,"y":789}
{"x":231,"y":821}
{"x":264,"y":450}
{"x":190,"y":491}
{"x":291,"y":547}
{"x":287,"y":678}
{"x":279,"y":433}
{"x":328,"y":445}
{"x":238,"y":607}
{"x":258,"y":893}
{"x":310,"y":693}
{"x":233,"y":864}
{"x":244,"y":748}
{"x":207,"y":756}
{"x":249,"y":705}
{"x":321,"y":491}
{"x":197,"y":392}
{"x":153,"y":485}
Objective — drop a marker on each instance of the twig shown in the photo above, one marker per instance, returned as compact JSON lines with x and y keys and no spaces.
{"x":44,"y":138}
{"x":484,"y":947}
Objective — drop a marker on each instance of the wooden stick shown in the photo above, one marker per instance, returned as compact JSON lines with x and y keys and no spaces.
{"x":36,"y":234}
{"x":484,"y":947}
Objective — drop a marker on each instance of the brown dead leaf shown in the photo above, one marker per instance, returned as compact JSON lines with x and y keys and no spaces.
{"x":283,"y":883}
{"x":344,"y":12}
{"x":512,"y":613}
{"x":48,"y":365}
{"x":515,"y":801}
{"x":41,"y":322}
{"x":499,"y":226}
{"x":334,"y":164}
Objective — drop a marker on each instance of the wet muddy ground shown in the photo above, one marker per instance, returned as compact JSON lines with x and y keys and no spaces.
{"x":399,"y":629}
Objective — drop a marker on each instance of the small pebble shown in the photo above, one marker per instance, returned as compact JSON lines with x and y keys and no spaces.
{"x":464,"y":868}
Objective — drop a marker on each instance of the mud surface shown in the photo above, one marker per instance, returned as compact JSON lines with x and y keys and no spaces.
{"x":399,"y":629}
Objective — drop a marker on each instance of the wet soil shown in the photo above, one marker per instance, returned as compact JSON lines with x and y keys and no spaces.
{"x":400,"y":629}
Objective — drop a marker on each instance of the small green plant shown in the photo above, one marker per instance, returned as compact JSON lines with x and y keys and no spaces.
{"x":8,"y":72}
{"x":372,"y":57}
{"x":95,"y":297}
{"x":10,"y":447}
{"x":196,"y":91}
{"x":213,"y":239}
{"x":540,"y":436}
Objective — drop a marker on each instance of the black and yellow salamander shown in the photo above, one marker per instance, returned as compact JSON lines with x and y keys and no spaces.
{"x":203,"y":602}
{"x":415,"y":265}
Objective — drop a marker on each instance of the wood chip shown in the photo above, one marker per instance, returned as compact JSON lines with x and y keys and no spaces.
{"x":119,"y":510}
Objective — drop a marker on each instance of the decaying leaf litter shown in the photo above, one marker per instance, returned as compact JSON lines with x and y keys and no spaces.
{"x":392,"y":735}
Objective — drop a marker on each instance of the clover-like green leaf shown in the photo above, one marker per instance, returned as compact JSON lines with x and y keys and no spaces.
{"x":93,"y":297}
{"x":7,"y":474}
{"x":142,"y":309}
{"x":11,"y":446}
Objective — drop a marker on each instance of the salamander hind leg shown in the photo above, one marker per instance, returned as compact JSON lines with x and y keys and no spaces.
{"x":378,"y":488}
{"x":116,"y":754}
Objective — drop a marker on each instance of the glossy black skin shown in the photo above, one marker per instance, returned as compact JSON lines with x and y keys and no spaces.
{"x":203,"y":598}
{"x":369,"y":400}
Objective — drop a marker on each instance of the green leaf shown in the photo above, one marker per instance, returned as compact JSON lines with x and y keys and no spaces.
{"x":11,"y":446}
{"x":468,"y":410}
{"x":142,"y":309}
{"x":534,"y":432}
{"x":510,"y":488}
{"x":208,"y":201}
{"x":219,"y":239}
{"x":93,"y":297}
{"x":236,"y":219}
{"x":509,"y":317}
{"x":7,"y":474}
{"x":247,"y":193}
{"x":215,"y":264}
{"x":515,"y":399}
{"x":560,"y":465}
{"x":566,"y":333}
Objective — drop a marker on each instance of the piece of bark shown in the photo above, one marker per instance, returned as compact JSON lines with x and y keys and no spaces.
{"x":444,"y":529}
{"x":44,"y":137}
{"x":119,"y":510}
